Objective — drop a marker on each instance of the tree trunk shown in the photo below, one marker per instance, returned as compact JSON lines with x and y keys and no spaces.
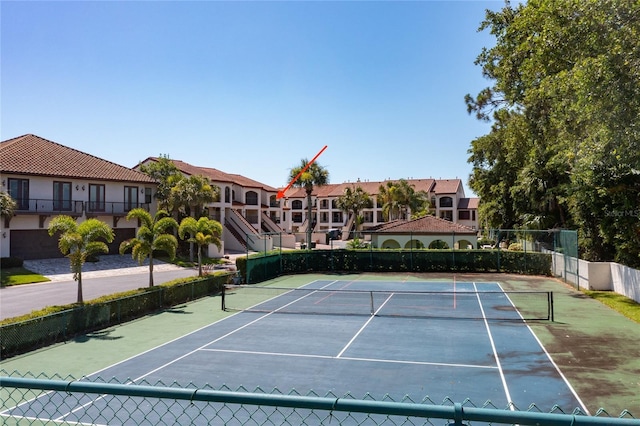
{"x":151,"y":269}
{"x":199,"y":261}
{"x":309,"y":230}
{"x":80,"y":300}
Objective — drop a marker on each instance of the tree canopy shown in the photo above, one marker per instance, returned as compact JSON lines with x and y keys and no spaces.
{"x":564,"y":147}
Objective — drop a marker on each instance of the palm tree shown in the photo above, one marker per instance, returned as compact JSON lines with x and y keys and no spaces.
{"x":152,"y":235}
{"x":79,"y":241}
{"x":190,"y":195}
{"x":166,"y":174}
{"x":314,"y":175}
{"x":7,"y":205}
{"x":354,"y":200}
{"x":388,"y":198}
{"x":400,"y":198}
{"x":202,"y":232}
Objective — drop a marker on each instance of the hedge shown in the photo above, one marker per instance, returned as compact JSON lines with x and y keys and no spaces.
{"x":25,"y":335}
{"x":262,"y":267}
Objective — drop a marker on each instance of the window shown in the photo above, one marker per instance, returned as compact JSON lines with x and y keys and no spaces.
{"x":324,"y":204}
{"x":473,"y":215}
{"x":334,"y":204}
{"x":446,"y":215}
{"x":96,"y":198}
{"x":296,"y":217}
{"x":227,"y":194}
{"x":19,"y":191}
{"x":296,"y":205}
{"x":61,"y":196}
{"x":464,"y":215}
{"x":251,"y":198}
{"x":147,"y":195}
{"x":324,"y":217}
{"x":336,"y":217}
{"x":368,"y":216}
{"x":273,"y":201}
{"x":130,"y":197}
{"x":446,"y":202}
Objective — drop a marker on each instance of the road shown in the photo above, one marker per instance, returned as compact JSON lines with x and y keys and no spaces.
{"x":22,"y":299}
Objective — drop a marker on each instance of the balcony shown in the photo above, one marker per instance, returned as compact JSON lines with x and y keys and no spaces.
{"x":93,"y":208}
{"x":49,"y":207}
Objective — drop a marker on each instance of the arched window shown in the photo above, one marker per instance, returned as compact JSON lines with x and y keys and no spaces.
{"x":296,"y":204}
{"x":227,"y":194}
{"x":446,"y":202}
{"x":251,"y":198}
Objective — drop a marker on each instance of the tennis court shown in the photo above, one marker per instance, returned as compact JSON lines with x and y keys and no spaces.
{"x":393,"y":341}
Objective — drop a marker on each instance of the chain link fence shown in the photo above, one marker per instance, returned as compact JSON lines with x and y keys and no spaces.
{"x":38,"y":400}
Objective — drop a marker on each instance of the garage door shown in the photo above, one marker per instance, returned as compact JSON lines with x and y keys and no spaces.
{"x":37,"y":244}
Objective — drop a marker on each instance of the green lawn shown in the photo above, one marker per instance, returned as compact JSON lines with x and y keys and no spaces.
{"x":19,"y":275}
{"x":627,"y":307}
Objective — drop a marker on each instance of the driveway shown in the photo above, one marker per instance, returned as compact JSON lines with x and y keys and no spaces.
{"x":112,"y":274}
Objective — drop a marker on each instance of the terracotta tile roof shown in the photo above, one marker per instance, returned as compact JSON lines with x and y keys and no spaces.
{"x":216,"y":175}
{"x":372,"y":188}
{"x":447,"y":186}
{"x":468,"y":203}
{"x":425,"y":225}
{"x":33,"y":155}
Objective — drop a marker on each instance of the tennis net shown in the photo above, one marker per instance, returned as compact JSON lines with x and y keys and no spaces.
{"x":494,"y":305}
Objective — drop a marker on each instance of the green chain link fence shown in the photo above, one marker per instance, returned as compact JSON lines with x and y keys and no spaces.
{"x":29,"y":400}
{"x":521,"y":251}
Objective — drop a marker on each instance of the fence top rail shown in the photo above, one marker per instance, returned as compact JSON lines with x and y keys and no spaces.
{"x":390,"y":291}
{"x":456,"y":411}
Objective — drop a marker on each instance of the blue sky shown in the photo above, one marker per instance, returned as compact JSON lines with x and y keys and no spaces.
{"x":250,"y":87}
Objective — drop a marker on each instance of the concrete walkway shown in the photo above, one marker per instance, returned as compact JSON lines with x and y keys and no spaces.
{"x":108,"y":266}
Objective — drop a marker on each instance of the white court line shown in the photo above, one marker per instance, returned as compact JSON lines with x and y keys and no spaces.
{"x":584,"y":408}
{"x":495,"y":352}
{"x":184,"y":355}
{"x":377,"y":360}
{"x":363,"y":327}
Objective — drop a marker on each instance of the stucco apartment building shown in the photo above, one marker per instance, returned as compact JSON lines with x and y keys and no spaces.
{"x":248,"y":209}
{"x":47,"y":179}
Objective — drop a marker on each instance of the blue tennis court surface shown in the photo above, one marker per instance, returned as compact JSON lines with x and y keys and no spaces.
{"x":425,"y":340}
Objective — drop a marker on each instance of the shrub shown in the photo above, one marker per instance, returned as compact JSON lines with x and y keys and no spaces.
{"x":11,"y":262}
{"x":515,"y":247}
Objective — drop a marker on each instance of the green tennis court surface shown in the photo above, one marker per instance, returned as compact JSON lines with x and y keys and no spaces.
{"x":390,"y":340}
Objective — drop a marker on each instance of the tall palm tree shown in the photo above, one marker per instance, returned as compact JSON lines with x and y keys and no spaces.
{"x":354,"y":200}
{"x":202,"y":232}
{"x":79,"y":241}
{"x":314,"y":175}
{"x":152,"y":235}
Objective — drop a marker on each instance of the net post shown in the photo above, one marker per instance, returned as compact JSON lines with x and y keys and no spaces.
{"x":372,"y":307}
{"x":224,"y":291}
{"x":551,"y":306}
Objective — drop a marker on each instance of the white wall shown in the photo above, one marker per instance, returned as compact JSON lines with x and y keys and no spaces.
{"x":602,"y":276}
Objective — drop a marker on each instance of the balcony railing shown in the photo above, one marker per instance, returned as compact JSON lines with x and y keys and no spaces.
{"x":75,"y":208}
{"x":42,"y":206}
{"x":112,"y":208}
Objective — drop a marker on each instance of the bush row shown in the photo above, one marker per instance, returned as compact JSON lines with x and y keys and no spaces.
{"x":41,"y":330}
{"x":263,"y":267}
